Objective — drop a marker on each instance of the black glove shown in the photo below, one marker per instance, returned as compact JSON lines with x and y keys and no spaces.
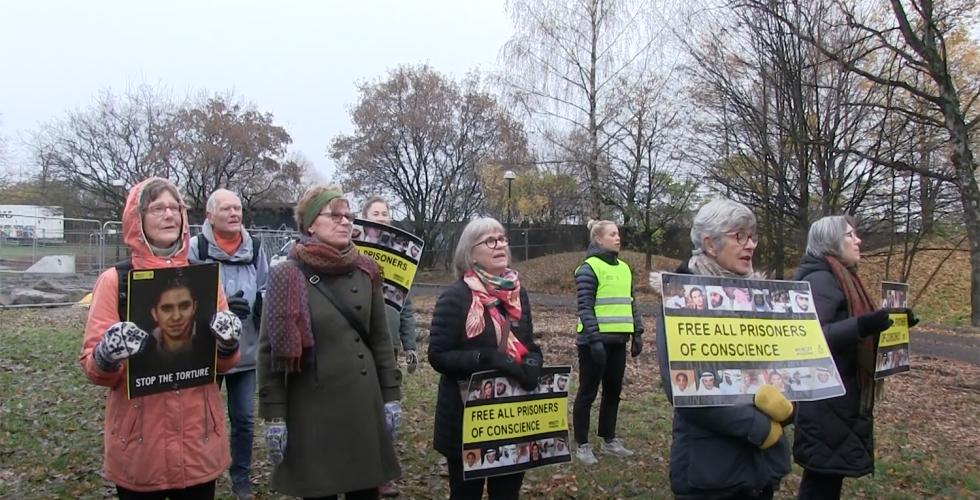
{"x":257,"y":310}
{"x":913,"y":320}
{"x":873,"y":323}
{"x":636,"y":345}
{"x":495,"y":360}
{"x":598,"y":354}
{"x":532,"y":370}
{"x":238,"y":304}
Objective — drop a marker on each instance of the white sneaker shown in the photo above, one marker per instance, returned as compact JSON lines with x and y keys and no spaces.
{"x":584,"y":454}
{"x":615,"y":448}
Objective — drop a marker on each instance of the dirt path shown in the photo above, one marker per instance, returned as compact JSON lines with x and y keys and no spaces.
{"x":925,"y":341}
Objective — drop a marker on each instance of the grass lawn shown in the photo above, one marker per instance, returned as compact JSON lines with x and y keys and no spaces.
{"x":51,"y":421}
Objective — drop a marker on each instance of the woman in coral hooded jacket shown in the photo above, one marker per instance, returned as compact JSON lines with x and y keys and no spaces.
{"x":172,"y":443}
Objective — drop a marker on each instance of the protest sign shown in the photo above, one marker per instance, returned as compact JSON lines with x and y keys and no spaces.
{"x":892,"y":356}
{"x":397,"y":253}
{"x":175,"y":306}
{"x":507,"y":429}
{"x":726,"y":337}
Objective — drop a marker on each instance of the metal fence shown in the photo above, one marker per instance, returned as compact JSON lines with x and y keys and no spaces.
{"x":78,"y":247}
{"x":67,"y":263}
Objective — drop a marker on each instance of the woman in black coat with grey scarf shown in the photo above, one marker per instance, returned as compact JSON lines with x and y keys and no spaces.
{"x":481,"y":322}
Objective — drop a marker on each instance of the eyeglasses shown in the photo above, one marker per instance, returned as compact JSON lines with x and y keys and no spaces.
{"x":161,"y":210}
{"x":339,"y":217}
{"x":743,"y":237}
{"x":492,"y":243}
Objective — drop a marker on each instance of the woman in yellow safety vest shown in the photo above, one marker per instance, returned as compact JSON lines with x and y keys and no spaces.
{"x":608,"y":319}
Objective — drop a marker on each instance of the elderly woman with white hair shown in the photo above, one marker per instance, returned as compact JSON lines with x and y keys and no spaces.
{"x":480,"y":322}
{"x":731,"y":451}
{"x":834,"y":437}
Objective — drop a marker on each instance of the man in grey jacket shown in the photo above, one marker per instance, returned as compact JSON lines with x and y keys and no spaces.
{"x":244,"y":271}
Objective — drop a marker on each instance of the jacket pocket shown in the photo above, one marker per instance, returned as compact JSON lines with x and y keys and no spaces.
{"x":719,"y":463}
{"x":125,"y":429}
{"x":214,"y":418}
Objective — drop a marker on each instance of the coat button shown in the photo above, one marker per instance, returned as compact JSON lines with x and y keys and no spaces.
{"x":353,"y":289}
{"x":364,"y":372}
{"x":360,"y":355}
{"x":357,"y":339}
{"x":358,"y":307}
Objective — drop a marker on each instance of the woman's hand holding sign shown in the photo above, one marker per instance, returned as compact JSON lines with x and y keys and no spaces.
{"x":226,"y":328}
{"x":772,"y":402}
{"x":119,"y":342}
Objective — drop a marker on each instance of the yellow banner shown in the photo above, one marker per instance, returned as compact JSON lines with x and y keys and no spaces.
{"x":706,"y":339}
{"x":896,"y":334}
{"x":394,"y":268}
{"x":514,"y":420}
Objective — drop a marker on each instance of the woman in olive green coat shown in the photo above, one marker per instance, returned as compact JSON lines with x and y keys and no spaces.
{"x":328,"y":392}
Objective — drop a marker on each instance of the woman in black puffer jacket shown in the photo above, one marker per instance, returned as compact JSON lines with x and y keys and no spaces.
{"x":834,"y":437}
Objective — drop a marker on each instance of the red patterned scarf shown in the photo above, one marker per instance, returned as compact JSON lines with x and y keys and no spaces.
{"x":489,"y":290}
{"x":858,"y":303}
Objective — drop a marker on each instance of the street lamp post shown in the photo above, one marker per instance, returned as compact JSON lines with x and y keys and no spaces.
{"x":510,"y":176}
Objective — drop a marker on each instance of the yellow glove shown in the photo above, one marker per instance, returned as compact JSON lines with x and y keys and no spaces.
{"x":775,"y":432}
{"x":772,"y":402}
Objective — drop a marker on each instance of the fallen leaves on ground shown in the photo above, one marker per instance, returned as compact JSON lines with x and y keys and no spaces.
{"x":51,"y":421}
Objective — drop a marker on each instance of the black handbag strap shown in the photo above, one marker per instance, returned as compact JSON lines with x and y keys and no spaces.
{"x":349,"y":315}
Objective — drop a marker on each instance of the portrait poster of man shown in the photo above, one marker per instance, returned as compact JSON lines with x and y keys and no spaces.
{"x":893,"y":344}
{"x":730,"y":336}
{"x":397,"y":253}
{"x":507,"y":429}
{"x":175,"y":306}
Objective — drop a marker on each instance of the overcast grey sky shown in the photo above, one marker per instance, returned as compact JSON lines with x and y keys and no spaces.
{"x":299,"y":60}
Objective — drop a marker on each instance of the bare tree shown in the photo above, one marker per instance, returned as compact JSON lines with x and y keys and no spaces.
{"x":423,"y":138}
{"x":646,"y":181}
{"x":98,"y":151}
{"x":564,"y":61}
{"x":779,"y":124}
{"x":916,"y":41}
{"x":220,"y":143}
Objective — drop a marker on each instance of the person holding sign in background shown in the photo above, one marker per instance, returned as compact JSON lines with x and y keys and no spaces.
{"x":608,"y":319}
{"x":244,"y":271}
{"x":480,"y":322}
{"x":834,"y":437}
{"x":401,"y":325}
{"x":329,"y":384}
{"x":728,"y":451}
{"x":173,"y":443}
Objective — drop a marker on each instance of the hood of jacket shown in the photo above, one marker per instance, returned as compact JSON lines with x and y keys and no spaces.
{"x":608,"y":256}
{"x":243,"y":254}
{"x":810,"y":265}
{"x":141,"y":254}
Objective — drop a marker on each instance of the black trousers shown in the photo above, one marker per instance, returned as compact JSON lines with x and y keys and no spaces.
{"x":203,"y":491}
{"x":815,"y":485}
{"x":498,"y":487}
{"x":589,"y":378}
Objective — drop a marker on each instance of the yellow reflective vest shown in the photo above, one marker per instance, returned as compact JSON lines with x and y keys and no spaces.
{"x":613,"y":297}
